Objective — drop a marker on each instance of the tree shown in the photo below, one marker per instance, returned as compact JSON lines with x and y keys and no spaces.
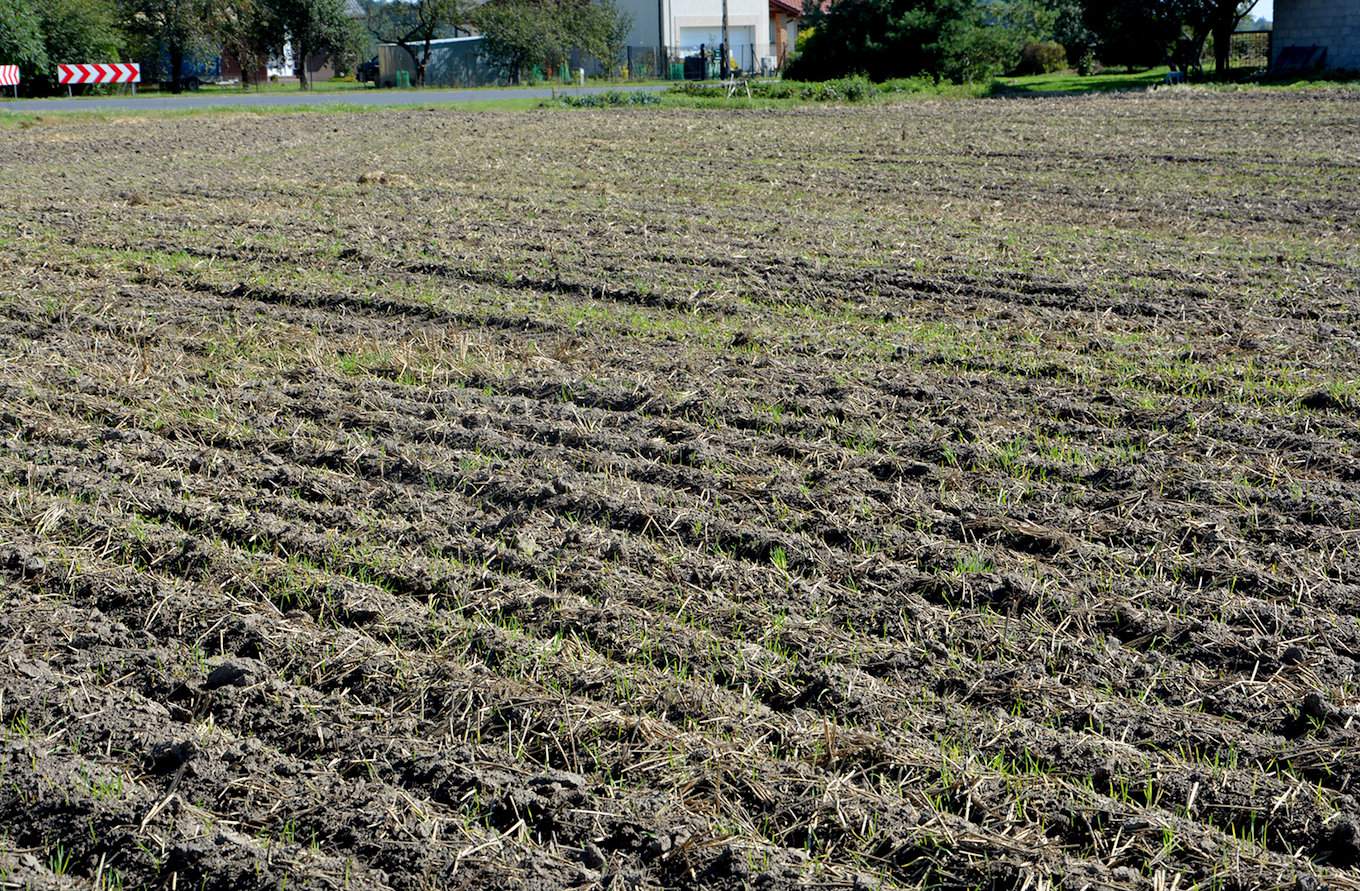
{"x":414,"y":23}
{"x":1069,"y":29}
{"x":315,"y":26}
{"x":1030,"y":21}
{"x":521,"y":34}
{"x":81,"y":31}
{"x":1142,"y":32}
{"x":21,"y":40}
{"x":174,"y":27}
{"x":1041,"y":21}
{"x":902,"y":38}
{"x":248,"y":31}
{"x":1014,"y":25}
{"x":605,"y":30}
{"x":1220,"y":19}
{"x":1134,"y":33}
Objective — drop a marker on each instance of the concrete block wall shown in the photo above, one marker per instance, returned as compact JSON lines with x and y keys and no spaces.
{"x":1334,"y":24}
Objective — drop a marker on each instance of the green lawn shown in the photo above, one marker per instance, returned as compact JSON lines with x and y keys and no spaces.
{"x":145,"y":90}
{"x":287,"y":86}
{"x":891,"y":92}
{"x":1071,"y":82}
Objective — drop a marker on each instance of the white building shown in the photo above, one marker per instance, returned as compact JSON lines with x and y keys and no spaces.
{"x":1332,"y":26}
{"x":682,"y":26}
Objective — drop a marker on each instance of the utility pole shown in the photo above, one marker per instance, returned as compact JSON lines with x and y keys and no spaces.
{"x":726,"y":47}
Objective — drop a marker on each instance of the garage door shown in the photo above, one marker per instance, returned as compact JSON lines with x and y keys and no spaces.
{"x":742,"y":37}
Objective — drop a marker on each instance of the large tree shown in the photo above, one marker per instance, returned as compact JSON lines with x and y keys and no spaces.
{"x":1134,"y":33}
{"x":1143,"y":32}
{"x":21,"y":41}
{"x":1217,"y":19}
{"x":1060,"y":21}
{"x":173,"y":27}
{"x":521,"y":34}
{"x":315,"y":26}
{"x":413,"y":25}
{"x":247,"y":30}
{"x":954,"y":39}
{"x":605,"y":33}
{"x":81,"y":30}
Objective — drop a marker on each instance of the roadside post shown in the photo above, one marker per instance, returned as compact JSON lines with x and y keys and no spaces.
{"x":726,"y":45}
{"x":9,"y":77}
{"x":111,"y":73}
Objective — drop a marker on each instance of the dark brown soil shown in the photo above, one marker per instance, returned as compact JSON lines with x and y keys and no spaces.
{"x":946,"y":494}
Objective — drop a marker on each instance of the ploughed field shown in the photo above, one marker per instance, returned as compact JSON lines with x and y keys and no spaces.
{"x":955,"y":494}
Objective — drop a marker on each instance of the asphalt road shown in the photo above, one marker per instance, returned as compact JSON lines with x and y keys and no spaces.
{"x":335,"y":97}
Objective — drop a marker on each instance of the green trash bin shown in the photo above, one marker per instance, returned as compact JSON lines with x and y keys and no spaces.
{"x":403,"y":78}
{"x":677,"y":71}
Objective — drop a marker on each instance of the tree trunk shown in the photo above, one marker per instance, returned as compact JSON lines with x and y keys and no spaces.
{"x":176,"y":64}
{"x":1195,"y":56}
{"x":301,"y":50}
{"x":1225,"y":23}
{"x":726,"y":45}
{"x":1223,"y":31}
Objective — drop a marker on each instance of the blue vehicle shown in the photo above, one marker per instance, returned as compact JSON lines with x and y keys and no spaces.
{"x":194,"y":71}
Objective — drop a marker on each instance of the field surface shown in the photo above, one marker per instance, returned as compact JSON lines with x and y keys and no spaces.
{"x":946,"y":494}
{"x":347,"y":95}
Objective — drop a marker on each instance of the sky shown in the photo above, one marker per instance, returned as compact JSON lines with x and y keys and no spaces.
{"x":1266,"y":8}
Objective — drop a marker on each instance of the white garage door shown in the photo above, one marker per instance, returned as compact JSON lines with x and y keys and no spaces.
{"x":742,"y":37}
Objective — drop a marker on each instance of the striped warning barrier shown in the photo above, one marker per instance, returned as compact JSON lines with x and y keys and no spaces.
{"x":113,"y":73}
{"x":9,"y":77}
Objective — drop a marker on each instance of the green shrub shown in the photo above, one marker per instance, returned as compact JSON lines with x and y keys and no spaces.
{"x":1042,"y":58}
{"x":609,"y":99}
{"x":843,"y":89}
{"x":970,"y":53}
{"x":942,"y":39}
{"x":908,"y":85}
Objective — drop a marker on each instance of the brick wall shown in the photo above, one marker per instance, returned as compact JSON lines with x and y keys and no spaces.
{"x":1334,"y":24}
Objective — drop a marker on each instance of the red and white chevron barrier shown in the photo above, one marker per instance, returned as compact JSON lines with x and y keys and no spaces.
{"x":114,"y":73}
{"x":9,"y":75}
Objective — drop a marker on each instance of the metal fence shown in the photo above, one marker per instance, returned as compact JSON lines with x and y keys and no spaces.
{"x":464,"y":62}
{"x":1249,"y":50}
{"x":700,"y":62}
